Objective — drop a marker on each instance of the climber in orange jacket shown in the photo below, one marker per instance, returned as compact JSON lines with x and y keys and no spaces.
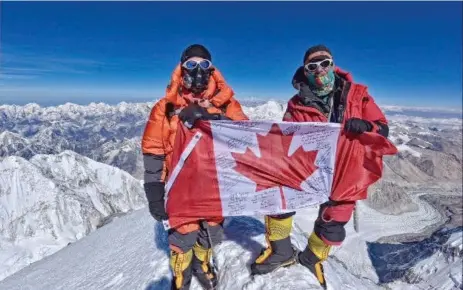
{"x":197,"y":91}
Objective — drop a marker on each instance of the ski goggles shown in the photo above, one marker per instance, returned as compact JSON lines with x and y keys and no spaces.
{"x":192,"y":64}
{"x":313,"y":66}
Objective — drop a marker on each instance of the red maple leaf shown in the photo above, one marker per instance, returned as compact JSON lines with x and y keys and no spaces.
{"x":275,"y":167}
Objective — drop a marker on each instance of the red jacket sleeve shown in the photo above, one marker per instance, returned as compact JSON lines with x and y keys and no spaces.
{"x":371,"y":112}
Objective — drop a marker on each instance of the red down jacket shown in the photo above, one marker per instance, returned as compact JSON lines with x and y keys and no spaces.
{"x":359,"y":157}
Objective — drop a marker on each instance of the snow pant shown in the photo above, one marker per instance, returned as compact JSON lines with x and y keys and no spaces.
{"x":190,"y":242}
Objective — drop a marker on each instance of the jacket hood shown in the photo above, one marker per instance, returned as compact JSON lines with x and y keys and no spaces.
{"x":218,"y":92}
{"x":294,"y":101}
{"x":347,"y":76}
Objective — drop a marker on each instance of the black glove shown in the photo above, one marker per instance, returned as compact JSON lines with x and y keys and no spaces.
{"x":193,"y":112}
{"x":155,"y":195}
{"x":358,"y":126}
{"x":157,"y":210}
{"x":190,"y":114}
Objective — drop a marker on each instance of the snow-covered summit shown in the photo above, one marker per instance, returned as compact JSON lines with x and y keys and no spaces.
{"x":132,"y":253}
{"x":271,"y":110}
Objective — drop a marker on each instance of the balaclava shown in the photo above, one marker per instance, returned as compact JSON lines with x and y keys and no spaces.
{"x":196,"y":80}
{"x":321,"y":81}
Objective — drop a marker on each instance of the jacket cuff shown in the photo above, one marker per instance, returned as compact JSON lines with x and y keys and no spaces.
{"x":374,"y":127}
{"x":382,"y":129}
{"x":154,"y":191}
{"x":216,"y":102}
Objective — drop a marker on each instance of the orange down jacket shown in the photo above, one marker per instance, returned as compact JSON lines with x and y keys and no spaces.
{"x":159,"y":134}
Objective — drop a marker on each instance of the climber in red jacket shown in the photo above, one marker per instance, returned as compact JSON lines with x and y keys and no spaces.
{"x":328,"y":94}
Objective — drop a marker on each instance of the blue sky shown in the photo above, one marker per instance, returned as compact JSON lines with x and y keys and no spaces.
{"x":407,"y":53}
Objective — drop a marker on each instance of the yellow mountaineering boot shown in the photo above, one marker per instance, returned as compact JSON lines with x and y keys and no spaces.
{"x":279,"y":251}
{"x":180,"y":264}
{"x":202,"y":269}
{"x":313,"y":255}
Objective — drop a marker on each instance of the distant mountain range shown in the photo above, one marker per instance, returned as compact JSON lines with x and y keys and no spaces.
{"x":431,"y":146}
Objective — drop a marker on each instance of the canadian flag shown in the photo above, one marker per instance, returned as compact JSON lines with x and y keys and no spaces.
{"x":230,"y":168}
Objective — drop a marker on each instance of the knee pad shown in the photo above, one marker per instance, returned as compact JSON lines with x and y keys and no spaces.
{"x":216,"y":235}
{"x":182,"y":243}
{"x":331,"y":220}
{"x":332,"y":233}
{"x":278,"y":228}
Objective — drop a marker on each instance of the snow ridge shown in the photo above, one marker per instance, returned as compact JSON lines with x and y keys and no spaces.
{"x":53,"y":200}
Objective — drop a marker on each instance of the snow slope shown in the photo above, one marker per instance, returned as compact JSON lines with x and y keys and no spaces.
{"x":124,"y":255}
{"x":52,"y":200}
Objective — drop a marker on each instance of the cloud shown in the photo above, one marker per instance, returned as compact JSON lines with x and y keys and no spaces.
{"x":56,"y":94}
{"x":7,"y":76}
{"x":29,"y":66}
{"x":23,"y":69}
{"x":435,"y":109}
{"x":21,"y":73}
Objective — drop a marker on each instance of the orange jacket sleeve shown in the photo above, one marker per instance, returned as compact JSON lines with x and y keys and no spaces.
{"x":153,"y":140}
{"x":234,"y":111}
{"x":154,"y":143}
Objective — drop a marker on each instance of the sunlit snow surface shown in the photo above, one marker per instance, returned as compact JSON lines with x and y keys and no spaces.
{"x":132,"y":253}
